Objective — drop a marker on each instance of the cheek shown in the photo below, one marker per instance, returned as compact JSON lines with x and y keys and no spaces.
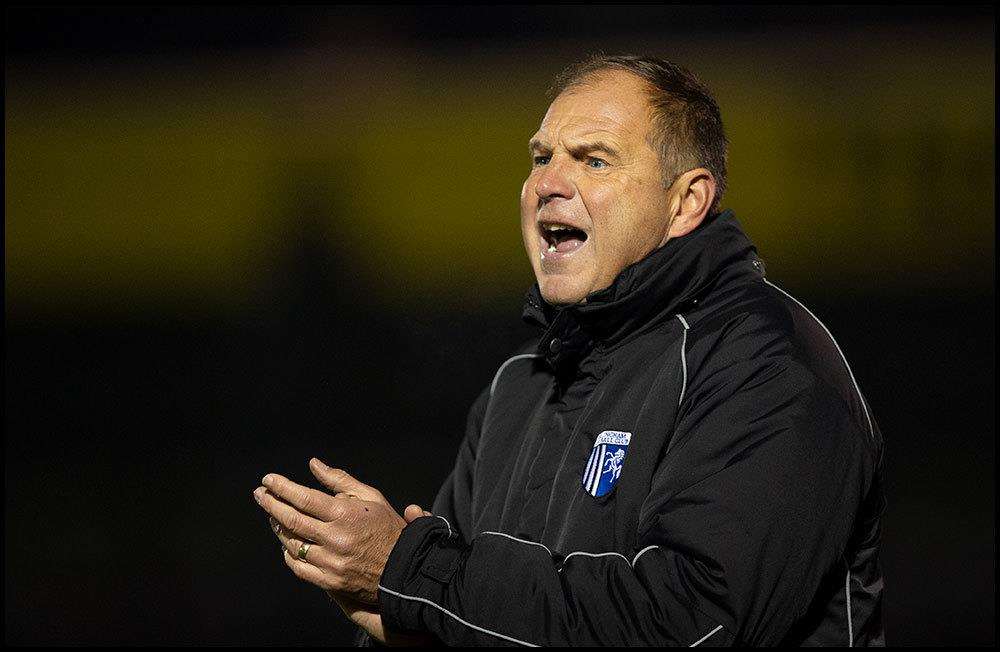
{"x":624,"y":220}
{"x":525,"y":209}
{"x":527,"y":205}
{"x":611,"y":207}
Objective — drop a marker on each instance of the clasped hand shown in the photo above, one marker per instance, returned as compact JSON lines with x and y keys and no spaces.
{"x":349,"y":535}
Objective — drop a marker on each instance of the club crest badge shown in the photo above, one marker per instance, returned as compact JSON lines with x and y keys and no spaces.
{"x":605,"y":464}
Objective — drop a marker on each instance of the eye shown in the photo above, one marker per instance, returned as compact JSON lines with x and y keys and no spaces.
{"x":540,"y":160}
{"x":597,"y":163}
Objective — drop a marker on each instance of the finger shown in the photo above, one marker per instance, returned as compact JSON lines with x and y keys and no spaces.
{"x":413,"y":512}
{"x":290,"y":518}
{"x":285,"y":538}
{"x":306,"y":500}
{"x":340,"y":480}
{"x":315,"y":554}
{"x":306,"y":571}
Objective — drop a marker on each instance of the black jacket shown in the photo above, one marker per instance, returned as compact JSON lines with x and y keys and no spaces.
{"x":684,"y":459}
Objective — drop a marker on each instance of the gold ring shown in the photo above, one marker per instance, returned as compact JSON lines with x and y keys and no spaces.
{"x":303,"y":551}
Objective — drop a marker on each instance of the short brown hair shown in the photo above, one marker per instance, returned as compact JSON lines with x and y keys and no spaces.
{"x":687,"y":131}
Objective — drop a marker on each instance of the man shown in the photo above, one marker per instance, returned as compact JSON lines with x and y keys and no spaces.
{"x":684,"y":457}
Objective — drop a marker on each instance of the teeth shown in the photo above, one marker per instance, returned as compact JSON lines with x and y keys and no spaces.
{"x":556,"y":227}
{"x":552,"y":248}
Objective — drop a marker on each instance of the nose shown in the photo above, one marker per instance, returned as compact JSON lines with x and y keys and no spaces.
{"x":554,"y":182}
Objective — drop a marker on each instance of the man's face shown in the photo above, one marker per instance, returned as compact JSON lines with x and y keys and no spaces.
{"x":594,"y":201}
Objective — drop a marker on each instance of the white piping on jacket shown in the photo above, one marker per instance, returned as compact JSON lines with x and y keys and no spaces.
{"x":540,"y":545}
{"x":464,"y":622}
{"x":702,"y":639}
{"x":593,"y":554}
{"x":641,"y":553}
{"x":684,"y":364}
{"x":864,"y":406}
{"x":513,"y":538}
{"x":607,"y":554}
{"x":496,"y":378}
{"x":847,"y":594}
{"x":450,"y":535}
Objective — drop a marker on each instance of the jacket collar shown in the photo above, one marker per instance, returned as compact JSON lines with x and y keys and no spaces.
{"x":668,"y":281}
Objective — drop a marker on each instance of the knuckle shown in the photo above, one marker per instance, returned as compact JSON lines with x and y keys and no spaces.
{"x":342,"y":542}
{"x":335,"y":582}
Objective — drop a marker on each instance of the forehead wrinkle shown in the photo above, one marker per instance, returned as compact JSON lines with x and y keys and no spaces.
{"x":595,"y":137}
{"x":587,"y":124}
{"x":598,"y":113}
{"x":592,"y":138}
{"x":578,"y":128}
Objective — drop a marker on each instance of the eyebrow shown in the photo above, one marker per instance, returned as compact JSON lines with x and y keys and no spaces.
{"x":586,"y":146}
{"x":535,"y":145}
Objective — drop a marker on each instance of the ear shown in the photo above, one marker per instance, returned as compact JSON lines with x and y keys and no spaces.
{"x":691,"y":197}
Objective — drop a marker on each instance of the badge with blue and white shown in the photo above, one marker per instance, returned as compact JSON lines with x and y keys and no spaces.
{"x":605,"y":464}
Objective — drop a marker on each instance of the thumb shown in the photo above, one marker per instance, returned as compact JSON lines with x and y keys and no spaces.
{"x":413,"y":512}
{"x":339,"y":480}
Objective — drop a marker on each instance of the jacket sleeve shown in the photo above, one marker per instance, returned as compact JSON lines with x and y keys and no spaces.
{"x":750,"y":508}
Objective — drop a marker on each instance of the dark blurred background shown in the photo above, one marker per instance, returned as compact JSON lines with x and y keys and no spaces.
{"x":235,"y":239}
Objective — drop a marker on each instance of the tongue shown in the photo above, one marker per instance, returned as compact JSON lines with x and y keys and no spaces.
{"x":569,"y":244}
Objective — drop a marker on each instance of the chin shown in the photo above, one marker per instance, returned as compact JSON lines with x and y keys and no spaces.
{"x":561,"y":291}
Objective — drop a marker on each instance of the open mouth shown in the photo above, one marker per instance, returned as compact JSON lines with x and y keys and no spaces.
{"x":560,"y":238}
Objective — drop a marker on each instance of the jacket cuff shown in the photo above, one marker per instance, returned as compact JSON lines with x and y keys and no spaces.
{"x":418,"y":571}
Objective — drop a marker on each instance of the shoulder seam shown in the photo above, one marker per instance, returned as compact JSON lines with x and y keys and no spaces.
{"x":496,"y":377}
{"x":864,"y":405}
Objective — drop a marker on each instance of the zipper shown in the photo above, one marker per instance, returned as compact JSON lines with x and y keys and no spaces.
{"x":604,"y":364}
